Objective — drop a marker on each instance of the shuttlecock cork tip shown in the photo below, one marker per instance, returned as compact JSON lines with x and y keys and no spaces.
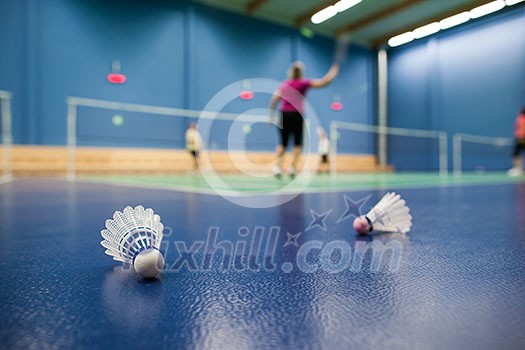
{"x":149,"y":263}
{"x":361,"y":225}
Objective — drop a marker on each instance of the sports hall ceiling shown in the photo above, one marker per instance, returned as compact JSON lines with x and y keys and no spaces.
{"x":371,"y":22}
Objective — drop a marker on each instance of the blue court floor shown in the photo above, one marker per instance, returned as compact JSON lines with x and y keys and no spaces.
{"x":286,"y":277}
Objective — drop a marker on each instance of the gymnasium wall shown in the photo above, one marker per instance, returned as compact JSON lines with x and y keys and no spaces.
{"x":469,"y":79}
{"x":174,"y":54}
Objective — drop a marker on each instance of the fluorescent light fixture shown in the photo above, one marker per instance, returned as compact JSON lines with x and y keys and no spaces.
{"x":331,"y":11}
{"x":487,"y":8}
{"x":401,"y":39}
{"x":512,"y":2}
{"x":324,"y":14}
{"x":448,"y":22}
{"x":346,"y":4}
{"x":426,"y":30}
{"x":454,"y":20}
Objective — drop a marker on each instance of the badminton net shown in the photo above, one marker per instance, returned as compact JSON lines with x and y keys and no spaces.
{"x":100,"y":123}
{"x":477,"y":153}
{"x":401,"y":148}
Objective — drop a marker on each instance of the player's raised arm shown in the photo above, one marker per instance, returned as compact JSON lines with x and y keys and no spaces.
{"x":328,"y":77}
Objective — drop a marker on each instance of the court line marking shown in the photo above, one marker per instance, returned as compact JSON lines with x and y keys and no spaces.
{"x":227,"y":193}
{"x":173,"y":188}
{"x":5,"y":180}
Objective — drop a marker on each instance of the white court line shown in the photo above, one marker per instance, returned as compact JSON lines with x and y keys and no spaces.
{"x":174,"y":188}
{"x":5,"y":180}
{"x":186,"y":189}
{"x":189,"y":189}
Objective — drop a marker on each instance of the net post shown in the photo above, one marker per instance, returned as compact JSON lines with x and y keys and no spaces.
{"x":7,"y":140}
{"x":333,"y":148}
{"x":382,"y":64}
{"x":71,"y":137}
{"x":456,"y":154}
{"x":443,"y":153}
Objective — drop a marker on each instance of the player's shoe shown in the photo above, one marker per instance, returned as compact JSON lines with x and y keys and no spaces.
{"x":514,"y":172}
{"x":291,"y":173}
{"x":277,"y":172}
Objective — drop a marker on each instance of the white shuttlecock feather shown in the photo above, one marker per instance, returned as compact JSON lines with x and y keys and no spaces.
{"x":133,"y":236}
{"x":390,"y":214}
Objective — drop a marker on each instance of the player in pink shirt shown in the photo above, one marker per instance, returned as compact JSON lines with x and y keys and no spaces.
{"x":519,"y":145}
{"x":292,"y":93}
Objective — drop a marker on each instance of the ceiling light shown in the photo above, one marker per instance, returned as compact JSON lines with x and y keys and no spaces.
{"x":454,"y":20}
{"x":487,"y":8}
{"x":451,"y":21}
{"x":401,"y":39}
{"x":512,"y":2}
{"x":331,"y":11}
{"x":346,"y":4}
{"x":426,"y":30}
{"x":324,"y":14}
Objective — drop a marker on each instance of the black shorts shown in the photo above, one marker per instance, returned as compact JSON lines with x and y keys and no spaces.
{"x":324,"y":158}
{"x":518,"y":147}
{"x":195,"y":154}
{"x":292,"y":123}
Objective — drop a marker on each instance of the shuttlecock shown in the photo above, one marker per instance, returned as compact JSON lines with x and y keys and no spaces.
{"x":390,"y":214}
{"x":133,"y":236}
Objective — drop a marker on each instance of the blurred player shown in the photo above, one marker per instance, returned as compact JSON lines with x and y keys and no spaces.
{"x":193,"y":145}
{"x":519,"y":145}
{"x":292,"y":92}
{"x":324,"y":152}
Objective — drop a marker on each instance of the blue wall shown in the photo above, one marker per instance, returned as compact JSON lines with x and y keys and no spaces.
{"x":469,"y":79}
{"x":177,"y":54}
{"x":174,"y":53}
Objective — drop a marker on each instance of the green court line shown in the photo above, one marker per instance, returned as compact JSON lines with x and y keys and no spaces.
{"x":247,"y":185}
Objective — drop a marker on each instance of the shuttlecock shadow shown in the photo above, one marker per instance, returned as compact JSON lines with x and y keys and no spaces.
{"x":376,"y":234}
{"x":130,"y":300}
{"x":382,"y":236}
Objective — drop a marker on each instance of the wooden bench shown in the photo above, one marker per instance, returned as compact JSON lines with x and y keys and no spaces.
{"x":52,"y":161}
